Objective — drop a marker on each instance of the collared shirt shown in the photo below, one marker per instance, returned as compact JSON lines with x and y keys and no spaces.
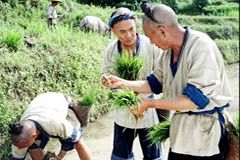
{"x":52,"y":15}
{"x":148,"y":53}
{"x":200,"y":74}
{"x":53,"y":118}
{"x":52,"y":12}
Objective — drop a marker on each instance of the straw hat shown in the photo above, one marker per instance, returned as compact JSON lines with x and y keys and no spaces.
{"x":56,"y":0}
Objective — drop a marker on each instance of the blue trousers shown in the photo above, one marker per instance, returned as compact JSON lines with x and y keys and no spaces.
{"x":123,"y":144}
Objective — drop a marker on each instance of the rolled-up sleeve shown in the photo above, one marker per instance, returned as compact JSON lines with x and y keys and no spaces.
{"x":154,"y":84}
{"x":196,"y":95}
{"x":69,"y":143}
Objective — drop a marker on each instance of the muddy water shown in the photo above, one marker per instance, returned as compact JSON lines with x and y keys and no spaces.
{"x":99,"y":135}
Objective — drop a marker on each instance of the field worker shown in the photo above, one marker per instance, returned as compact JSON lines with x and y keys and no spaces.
{"x":192,"y":77}
{"x":123,"y":24}
{"x":52,"y":13}
{"x":48,"y":115}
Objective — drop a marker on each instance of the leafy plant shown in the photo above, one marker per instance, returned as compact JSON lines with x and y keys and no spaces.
{"x":160,"y":132}
{"x":128,"y":67}
{"x":89,"y":99}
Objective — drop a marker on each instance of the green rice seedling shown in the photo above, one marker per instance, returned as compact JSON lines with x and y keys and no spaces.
{"x":128,"y":67}
{"x":127,"y":99}
{"x":88,"y":99}
{"x":124,"y":98}
{"x":82,"y":108}
{"x":159,"y":132}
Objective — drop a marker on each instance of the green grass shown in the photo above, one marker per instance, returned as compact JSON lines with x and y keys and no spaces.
{"x":64,"y":60}
{"x":12,"y":40}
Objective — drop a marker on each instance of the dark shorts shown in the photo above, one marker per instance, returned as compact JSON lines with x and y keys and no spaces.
{"x":123,"y":144}
{"x":176,"y":156}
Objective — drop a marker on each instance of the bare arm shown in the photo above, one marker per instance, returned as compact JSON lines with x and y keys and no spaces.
{"x":83,"y":151}
{"x":112,"y":81}
{"x":60,"y":155}
{"x":177,"y":103}
{"x":36,"y":154}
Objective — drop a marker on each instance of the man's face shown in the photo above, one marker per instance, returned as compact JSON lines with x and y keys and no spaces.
{"x":125,"y":31}
{"x":155,"y":35}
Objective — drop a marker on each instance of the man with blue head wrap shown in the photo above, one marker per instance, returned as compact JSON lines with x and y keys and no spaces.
{"x":123,"y":24}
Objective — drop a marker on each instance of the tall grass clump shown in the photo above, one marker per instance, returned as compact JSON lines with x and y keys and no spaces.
{"x":12,"y":40}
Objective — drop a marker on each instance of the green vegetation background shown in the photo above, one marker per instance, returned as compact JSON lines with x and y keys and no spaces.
{"x":35,"y":59}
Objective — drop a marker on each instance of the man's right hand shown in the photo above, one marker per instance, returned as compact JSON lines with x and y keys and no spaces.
{"x":60,"y":156}
{"x":111,"y":81}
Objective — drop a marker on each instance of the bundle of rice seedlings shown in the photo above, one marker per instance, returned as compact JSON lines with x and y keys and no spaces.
{"x":82,"y":108}
{"x":128,"y":67}
{"x":88,"y":99}
{"x":126,"y":99}
{"x":159,"y":132}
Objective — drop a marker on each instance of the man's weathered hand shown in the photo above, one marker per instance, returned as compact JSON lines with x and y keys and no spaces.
{"x":144,"y":105}
{"x":60,"y":155}
{"x":111,"y":81}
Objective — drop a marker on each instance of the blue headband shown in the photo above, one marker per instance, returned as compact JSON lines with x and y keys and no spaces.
{"x":117,"y":18}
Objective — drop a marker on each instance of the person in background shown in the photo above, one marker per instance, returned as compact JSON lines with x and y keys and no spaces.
{"x":123,"y":24}
{"x":48,"y":115}
{"x":191,"y":75}
{"x":52,"y":13}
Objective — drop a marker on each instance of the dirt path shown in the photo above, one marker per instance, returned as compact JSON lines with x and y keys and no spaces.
{"x":99,"y":135}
